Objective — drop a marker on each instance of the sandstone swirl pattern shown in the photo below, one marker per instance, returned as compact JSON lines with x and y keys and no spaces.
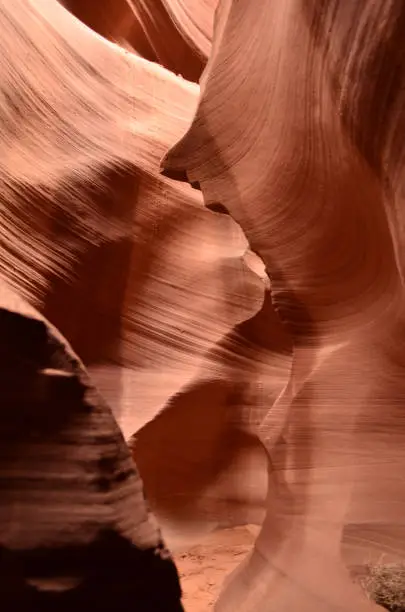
{"x":175,"y":33}
{"x":261,"y":388}
{"x":140,"y":278}
{"x":298,"y":136}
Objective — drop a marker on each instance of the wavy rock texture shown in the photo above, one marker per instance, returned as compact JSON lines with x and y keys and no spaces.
{"x":247,"y":401}
{"x":175,"y":33}
{"x":150,"y":288}
{"x":298,"y":135}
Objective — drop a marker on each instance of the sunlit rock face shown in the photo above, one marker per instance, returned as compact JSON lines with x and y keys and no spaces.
{"x":298,"y":136}
{"x":244,"y":335}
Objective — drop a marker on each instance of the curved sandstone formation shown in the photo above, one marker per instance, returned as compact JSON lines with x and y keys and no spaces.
{"x":121,"y":260}
{"x":285,"y":140}
{"x":246,"y":337}
{"x":174,"y":33}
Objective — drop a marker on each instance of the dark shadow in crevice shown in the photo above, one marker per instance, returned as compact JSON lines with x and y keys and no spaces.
{"x":110,"y":574}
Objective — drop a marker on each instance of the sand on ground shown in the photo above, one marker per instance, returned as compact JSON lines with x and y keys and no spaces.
{"x":204,"y":567}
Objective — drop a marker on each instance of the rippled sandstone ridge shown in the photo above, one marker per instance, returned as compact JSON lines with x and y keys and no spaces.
{"x":201,"y":254}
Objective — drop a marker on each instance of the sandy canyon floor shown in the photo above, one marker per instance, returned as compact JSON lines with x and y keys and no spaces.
{"x":204,"y":567}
